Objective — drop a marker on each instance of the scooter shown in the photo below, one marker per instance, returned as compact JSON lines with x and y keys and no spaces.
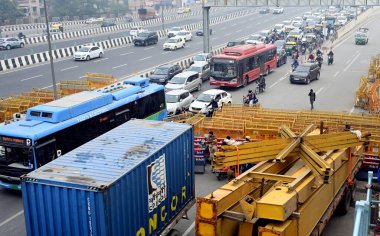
{"x":330,"y":59}
{"x":260,"y":88}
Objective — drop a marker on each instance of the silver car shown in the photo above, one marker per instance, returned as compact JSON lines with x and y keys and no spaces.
{"x":9,"y":43}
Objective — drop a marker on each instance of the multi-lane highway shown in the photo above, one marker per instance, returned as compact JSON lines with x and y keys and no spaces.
{"x":129,"y":59}
{"x":335,"y":91}
{"x":181,"y":21}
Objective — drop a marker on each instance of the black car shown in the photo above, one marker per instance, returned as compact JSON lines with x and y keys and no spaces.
{"x":146,"y":38}
{"x":200,"y":32}
{"x":305,"y":73}
{"x":164,"y":73}
{"x":107,"y":24}
{"x":234,"y":43}
{"x":281,"y":54}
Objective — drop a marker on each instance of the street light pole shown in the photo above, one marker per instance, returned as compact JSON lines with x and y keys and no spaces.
{"x":162,"y":16}
{"x":50,"y":53}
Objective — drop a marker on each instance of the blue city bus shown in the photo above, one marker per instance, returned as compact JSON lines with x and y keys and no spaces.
{"x":55,"y":128}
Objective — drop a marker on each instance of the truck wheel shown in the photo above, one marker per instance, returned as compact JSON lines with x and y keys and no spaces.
{"x":344,"y":204}
{"x":174,"y":232}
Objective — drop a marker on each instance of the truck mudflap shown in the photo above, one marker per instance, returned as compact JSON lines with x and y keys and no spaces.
{"x":181,"y":215}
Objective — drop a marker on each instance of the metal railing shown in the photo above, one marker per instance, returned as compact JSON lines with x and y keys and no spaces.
{"x":363,"y":211}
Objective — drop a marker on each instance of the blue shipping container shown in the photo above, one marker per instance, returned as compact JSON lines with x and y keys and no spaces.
{"x":133,"y":180}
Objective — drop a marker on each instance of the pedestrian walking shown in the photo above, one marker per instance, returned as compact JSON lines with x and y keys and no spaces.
{"x":312,"y":97}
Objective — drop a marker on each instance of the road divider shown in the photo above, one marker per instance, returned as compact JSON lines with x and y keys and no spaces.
{"x":36,"y":58}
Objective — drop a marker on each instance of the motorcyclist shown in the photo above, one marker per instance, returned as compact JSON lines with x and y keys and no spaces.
{"x":311,"y":57}
{"x":330,"y":57}
{"x":295,"y":64}
{"x":319,"y":52}
{"x":214,"y":106}
{"x":20,"y":35}
{"x":252,"y":98}
{"x":261,"y":83}
{"x":319,"y":59}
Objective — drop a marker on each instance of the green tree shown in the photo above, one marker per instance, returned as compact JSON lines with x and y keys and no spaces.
{"x":8,"y":11}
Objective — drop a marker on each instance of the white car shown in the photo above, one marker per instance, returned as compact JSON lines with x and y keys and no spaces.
{"x":188,"y":80}
{"x":203,"y":100}
{"x":174,"y":43}
{"x":178,"y":101}
{"x":278,"y":10}
{"x":279,"y":28}
{"x":181,"y":11}
{"x":186,"y":35}
{"x":91,"y":21}
{"x":88,"y":52}
{"x":342,"y":20}
{"x":174,"y":31}
{"x":135,"y":30}
{"x":255,"y":39}
{"x":203,"y":57}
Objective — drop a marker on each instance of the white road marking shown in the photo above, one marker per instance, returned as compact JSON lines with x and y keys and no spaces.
{"x":69,"y":68}
{"x":348,"y":61}
{"x":319,"y":90}
{"x":103,"y":59}
{"x":11,"y":218}
{"x":336,"y":73}
{"x":127,"y":53}
{"x":33,"y":77}
{"x":274,"y":84}
{"x":353,"y":60}
{"x":164,"y":53}
{"x":115,"y":67}
{"x":47,"y":87}
{"x":352,"y":110}
{"x":142,"y":59}
{"x":191,"y":227}
{"x":82,"y":77}
{"x":148,"y":48}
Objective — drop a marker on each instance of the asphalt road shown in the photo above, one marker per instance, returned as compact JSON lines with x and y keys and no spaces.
{"x":42,"y":47}
{"x":130,"y":59}
{"x":82,"y":26}
{"x":335,"y":91}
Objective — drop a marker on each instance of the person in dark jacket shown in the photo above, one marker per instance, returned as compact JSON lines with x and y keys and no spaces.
{"x":213,"y":104}
{"x":312,"y":97}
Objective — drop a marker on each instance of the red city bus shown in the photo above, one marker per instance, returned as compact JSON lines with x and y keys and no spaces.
{"x":237,"y":66}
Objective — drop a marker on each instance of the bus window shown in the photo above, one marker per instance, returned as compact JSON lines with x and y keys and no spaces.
{"x":250,"y":64}
{"x":46,"y":152}
{"x":17,"y":157}
{"x":2,"y":153}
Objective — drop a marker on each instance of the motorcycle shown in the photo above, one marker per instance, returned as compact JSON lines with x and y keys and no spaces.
{"x":246,"y":100}
{"x":319,"y":61}
{"x":303,"y":50}
{"x":260,"y":88}
{"x":294,"y":66}
{"x":330,"y":60}
{"x":21,"y":35}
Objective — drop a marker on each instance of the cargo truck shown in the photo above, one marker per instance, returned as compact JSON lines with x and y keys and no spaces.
{"x":147,"y":13}
{"x":137,"y":179}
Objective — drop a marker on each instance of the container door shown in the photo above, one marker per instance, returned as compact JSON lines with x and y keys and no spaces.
{"x":46,"y":152}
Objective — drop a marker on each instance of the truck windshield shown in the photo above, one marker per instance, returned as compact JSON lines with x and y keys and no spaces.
{"x":223,"y":68}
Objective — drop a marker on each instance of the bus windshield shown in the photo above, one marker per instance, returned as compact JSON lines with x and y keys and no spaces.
{"x":16,"y":157}
{"x":223,"y":68}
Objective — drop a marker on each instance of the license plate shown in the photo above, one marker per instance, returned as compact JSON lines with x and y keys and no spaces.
{"x":222,"y":84}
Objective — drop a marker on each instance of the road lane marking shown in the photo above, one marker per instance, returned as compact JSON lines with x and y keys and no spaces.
{"x":115,"y":67}
{"x":33,"y":77}
{"x":82,"y":77}
{"x":336,"y":73}
{"x":353,"y":60}
{"x":69,"y":68}
{"x":47,"y":87}
{"x":274,"y":84}
{"x":11,"y":218}
{"x":101,"y":59}
{"x":127,"y":53}
{"x":142,"y":59}
{"x":191,"y":227}
{"x":164,"y":53}
{"x":148,"y":48}
{"x":319,"y":90}
{"x":348,"y":61}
